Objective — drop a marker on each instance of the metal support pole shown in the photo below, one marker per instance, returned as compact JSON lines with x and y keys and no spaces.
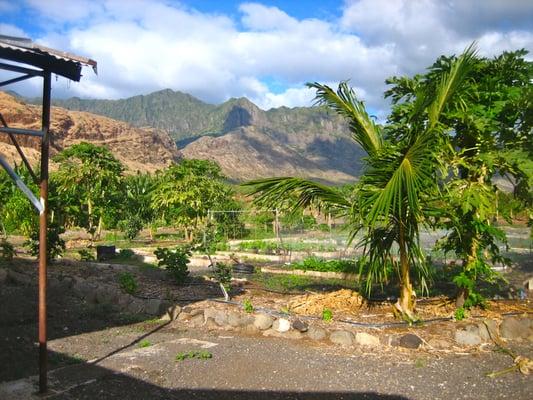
{"x":43,"y":384}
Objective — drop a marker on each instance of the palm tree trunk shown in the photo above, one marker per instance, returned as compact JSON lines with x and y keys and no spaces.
{"x":406,"y":303}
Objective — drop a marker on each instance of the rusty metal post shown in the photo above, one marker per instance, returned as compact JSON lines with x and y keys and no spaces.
{"x":43,"y":229}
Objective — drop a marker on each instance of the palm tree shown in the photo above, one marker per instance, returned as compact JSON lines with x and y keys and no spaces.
{"x":395,"y":194}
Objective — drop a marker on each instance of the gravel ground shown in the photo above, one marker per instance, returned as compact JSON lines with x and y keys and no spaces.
{"x":270,"y":368}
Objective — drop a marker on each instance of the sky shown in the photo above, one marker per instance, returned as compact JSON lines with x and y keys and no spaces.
{"x":264,"y":50}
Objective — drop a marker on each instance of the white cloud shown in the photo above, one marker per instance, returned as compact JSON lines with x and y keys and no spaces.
{"x":11,"y":30}
{"x":144,"y":45}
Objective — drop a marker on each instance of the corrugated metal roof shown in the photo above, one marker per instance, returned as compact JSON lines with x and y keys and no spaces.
{"x":26,"y":51}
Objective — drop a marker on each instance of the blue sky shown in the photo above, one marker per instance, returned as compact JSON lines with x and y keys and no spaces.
{"x":264,"y":50}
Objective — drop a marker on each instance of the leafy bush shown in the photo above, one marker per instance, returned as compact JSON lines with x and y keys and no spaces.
{"x":319,"y":264}
{"x":223,"y":273}
{"x":131,"y":227}
{"x":86,"y":255}
{"x":327,"y":315}
{"x":55,"y":245}
{"x":247,"y":306}
{"x":128,"y":283}
{"x":125,"y":254}
{"x":174,"y":261}
{"x":7,"y":251}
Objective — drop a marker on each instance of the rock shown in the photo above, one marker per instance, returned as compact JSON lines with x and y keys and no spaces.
{"x":3,"y":275}
{"x":366,"y":339}
{"x":250,"y":329}
{"x":468,"y":336}
{"x":237,"y":320}
{"x":410,"y":341}
{"x":316,"y":333}
{"x":344,"y":338}
{"x":292,"y":334}
{"x":281,"y":325}
{"x":85,"y":290}
{"x":221,"y":318}
{"x":211,"y":324}
{"x":136,"y":306}
{"x":488,"y":329}
{"x":299,"y":325}
{"x":17,"y":277}
{"x":123,"y":300}
{"x":195,"y":311}
{"x":53,"y":283}
{"x":106,"y":294}
{"x":440,"y":343}
{"x":263,"y":321}
{"x":151,"y":306}
{"x":516,"y":328}
{"x":171,"y":313}
{"x":210,"y":312}
{"x":197,"y":320}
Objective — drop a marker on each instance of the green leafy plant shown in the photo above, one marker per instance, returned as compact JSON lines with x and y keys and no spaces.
{"x":127,"y":282}
{"x":194,"y":354}
{"x":223,"y":273}
{"x":144,"y":343}
{"x":131,"y":227}
{"x":86,"y":255}
{"x":7,"y":251}
{"x":247,"y":306}
{"x":55,"y":244}
{"x":174,"y":261}
{"x":327,"y":315}
{"x":460,"y":314}
{"x":125,"y":254}
{"x":319,"y":264}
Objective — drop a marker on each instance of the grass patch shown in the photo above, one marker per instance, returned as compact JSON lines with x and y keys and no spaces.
{"x":144,"y":343}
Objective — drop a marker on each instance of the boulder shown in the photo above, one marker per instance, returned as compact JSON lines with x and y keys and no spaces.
{"x":263,"y":321}
{"x":366,"y":339}
{"x":152,"y":306}
{"x":106,"y":294}
{"x":136,"y":306}
{"x":344,"y":338}
{"x":488,"y":329}
{"x":236,"y":320}
{"x":3,"y":275}
{"x":410,"y":341}
{"x":85,"y":290}
{"x":299,"y":325}
{"x":516,"y":328}
{"x":221,"y":318}
{"x":170,"y":313}
{"x":17,"y":277}
{"x":469,"y":336}
{"x":210,"y":312}
{"x":316,"y":333}
{"x":281,"y":325}
{"x":197,"y":320}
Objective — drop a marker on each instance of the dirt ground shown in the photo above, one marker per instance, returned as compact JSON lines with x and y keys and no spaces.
{"x":95,"y":352}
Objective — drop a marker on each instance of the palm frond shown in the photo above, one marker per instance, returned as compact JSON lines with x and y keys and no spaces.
{"x":345,"y":103}
{"x":273,"y":192}
{"x":450,"y":82}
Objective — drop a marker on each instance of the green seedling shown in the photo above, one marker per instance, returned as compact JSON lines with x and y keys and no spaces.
{"x":327,"y":315}
{"x":144,"y":343}
{"x":194,"y":354}
{"x":247,"y":305}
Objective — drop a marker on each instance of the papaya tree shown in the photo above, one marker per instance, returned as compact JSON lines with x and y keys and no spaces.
{"x":88,"y":181}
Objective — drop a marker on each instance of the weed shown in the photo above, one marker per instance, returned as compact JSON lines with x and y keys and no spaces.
{"x":247,"y":305}
{"x":128,"y":283}
{"x":144,"y":343}
{"x":194,"y":354}
{"x":327,"y":315}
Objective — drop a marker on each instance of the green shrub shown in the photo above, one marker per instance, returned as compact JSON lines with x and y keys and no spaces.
{"x":174,"y":261}
{"x":127,"y":282}
{"x":131,"y":227}
{"x":86,"y":255}
{"x":7,"y":251}
{"x":55,"y":245}
{"x":327,"y":315}
{"x":460,"y":314}
{"x":247,"y":306}
{"x":223,"y":273}
{"x":125,"y":254}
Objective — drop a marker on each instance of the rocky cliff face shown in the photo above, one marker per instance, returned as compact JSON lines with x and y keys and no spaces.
{"x":309,"y":142}
{"x":139,"y":149}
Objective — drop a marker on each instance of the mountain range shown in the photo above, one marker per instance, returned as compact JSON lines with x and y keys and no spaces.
{"x":246,"y":141}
